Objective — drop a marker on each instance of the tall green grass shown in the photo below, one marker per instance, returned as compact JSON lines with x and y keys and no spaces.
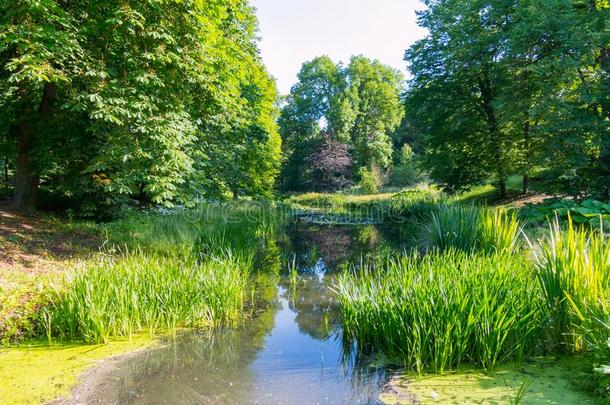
{"x":186,"y":269}
{"x":438,"y":311}
{"x":573,"y":267}
{"x":470,"y":228}
{"x":147,"y":293}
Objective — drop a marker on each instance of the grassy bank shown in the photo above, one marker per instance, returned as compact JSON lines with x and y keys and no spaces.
{"x":155,"y":274}
{"x":161,"y":273}
{"x":482,"y":297}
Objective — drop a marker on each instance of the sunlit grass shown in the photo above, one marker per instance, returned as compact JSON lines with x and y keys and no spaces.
{"x":184,"y":269}
{"x":469,"y":228}
{"x":444,"y":309}
{"x":573,"y":267}
{"x":147,"y":293}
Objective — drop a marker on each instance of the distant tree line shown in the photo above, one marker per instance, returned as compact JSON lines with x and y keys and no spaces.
{"x":337,"y":120}
{"x":160,"y":101}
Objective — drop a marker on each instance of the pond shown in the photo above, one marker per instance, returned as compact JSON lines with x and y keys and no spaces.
{"x":290,"y":352}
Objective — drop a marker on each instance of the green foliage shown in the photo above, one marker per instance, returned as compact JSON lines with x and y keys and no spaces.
{"x":186,"y":269}
{"x":469,"y":228}
{"x":501,"y":87}
{"x":590,"y":212}
{"x":599,"y":381}
{"x":369,"y":180}
{"x":140,"y":292}
{"x":404,"y":172}
{"x":442,"y":310}
{"x":358,"y":104}
{"x":573,"y":268}
{"x":163,"y":101}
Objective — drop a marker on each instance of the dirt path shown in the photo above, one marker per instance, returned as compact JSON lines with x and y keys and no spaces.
{"x":35,"y":251}
{"x":36,"y":243}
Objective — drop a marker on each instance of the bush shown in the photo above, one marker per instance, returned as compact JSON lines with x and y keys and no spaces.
{"x":590,"y":212}
{"x":404,"y":172}
{"x":370,"y":180}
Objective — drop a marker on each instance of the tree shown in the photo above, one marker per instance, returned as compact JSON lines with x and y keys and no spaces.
{"x":129,"y":98}
{"x":358,"y":104}
{"x":331,"y":165}
{"x":458,"y":73}
{"x":504,"y":86}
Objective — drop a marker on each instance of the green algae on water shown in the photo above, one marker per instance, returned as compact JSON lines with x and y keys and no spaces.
{"x":37,"y":372}
{"x":544,"y":382}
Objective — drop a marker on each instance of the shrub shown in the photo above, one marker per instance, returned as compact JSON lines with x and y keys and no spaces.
{"x":370,"y":180}
{"x":404,"y":172}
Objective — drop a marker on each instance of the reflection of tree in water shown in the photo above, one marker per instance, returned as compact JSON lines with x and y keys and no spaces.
{"x":335,"y":246}
{"x":215,"y":367}
{"x":320,"y":253}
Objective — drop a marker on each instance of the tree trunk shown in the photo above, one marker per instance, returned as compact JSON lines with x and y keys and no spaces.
{"x":502,"y":185}
{"x":528,"y":145}
{"x":6,"y":171}
{"x":487,"y":98}
{"x":26,"y":179}
{"x":25,"y":195}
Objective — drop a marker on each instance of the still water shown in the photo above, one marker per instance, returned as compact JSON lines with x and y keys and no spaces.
{"x":290,"y":352}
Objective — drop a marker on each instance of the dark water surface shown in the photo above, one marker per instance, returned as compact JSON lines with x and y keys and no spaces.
{"x":291,"y":352}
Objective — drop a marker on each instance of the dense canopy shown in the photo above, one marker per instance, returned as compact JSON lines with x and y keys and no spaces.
{"x":503,"y":87}
{"x":165,"y":101}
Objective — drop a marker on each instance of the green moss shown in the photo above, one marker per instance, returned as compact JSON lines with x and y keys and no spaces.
{"x":38,"y":372}
{"x":544,"y":382}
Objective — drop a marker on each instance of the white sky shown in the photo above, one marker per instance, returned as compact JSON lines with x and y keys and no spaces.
{"x":294,"y":31}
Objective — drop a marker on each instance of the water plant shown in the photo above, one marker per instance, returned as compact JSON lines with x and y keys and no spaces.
{"x":573,"y":268}
{"x":437,"y":311}
{"x":471,"y":228}
{"x":140,"y":292}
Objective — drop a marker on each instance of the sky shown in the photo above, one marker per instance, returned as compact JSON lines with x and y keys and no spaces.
{"x":294,"y":31}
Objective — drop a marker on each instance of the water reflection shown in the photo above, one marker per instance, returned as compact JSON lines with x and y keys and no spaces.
{"x":290,"y":353}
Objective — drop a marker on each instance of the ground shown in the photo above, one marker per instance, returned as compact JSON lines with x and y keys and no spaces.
{"x":35,"y":250}
{"x":38,"y":372}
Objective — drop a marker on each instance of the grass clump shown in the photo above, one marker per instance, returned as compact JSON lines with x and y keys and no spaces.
{"x":470,"y":228}
{"x":573,"y":268}
{"x":444,"y":309}
{"x":147,"y":293}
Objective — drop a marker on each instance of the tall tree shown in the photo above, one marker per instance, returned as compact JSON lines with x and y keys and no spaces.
{"x":504,"y":86}
{"x":128,"y":98}
{"x":458,"y":75}
{"x":358,"y":105}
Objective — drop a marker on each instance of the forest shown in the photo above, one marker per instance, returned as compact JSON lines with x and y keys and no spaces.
{"x":104,"y":105}
{"x":174,"y":229}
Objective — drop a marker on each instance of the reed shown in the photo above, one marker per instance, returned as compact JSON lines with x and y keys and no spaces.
{"x":573,"y":268}
{"x":444,"y":309}
{"x":469,"y":228}
{"x":141,"y":292}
